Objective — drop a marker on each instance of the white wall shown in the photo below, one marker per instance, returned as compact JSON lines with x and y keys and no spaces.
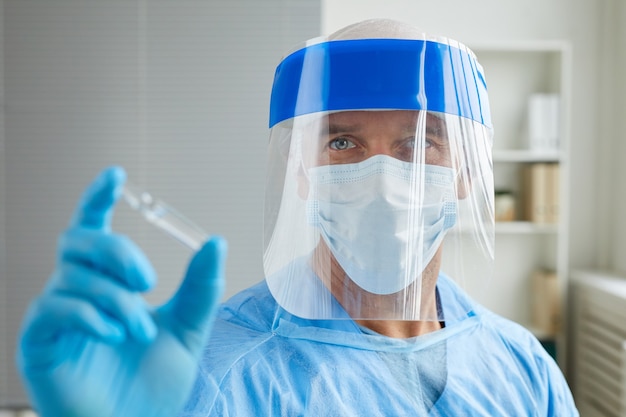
{"x":617,"y":220}
{"x":611,"y":197}
{"x":579,"y":21}
{"x":176,"y":92}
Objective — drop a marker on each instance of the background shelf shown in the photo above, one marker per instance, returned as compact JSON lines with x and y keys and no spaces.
{"x":521,"y":227}
{"x":521,"y":155}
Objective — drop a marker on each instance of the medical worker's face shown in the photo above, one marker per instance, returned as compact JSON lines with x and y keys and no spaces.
{"x":351,"y":137}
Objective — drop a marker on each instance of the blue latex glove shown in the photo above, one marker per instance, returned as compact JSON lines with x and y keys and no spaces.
{"x":91,"y":346}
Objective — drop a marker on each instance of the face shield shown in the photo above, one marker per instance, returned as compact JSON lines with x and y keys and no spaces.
{"x":380,"y":181}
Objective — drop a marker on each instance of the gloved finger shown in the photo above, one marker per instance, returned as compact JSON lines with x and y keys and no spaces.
{"x":51,"y":314}
{"x":192,"y":309}
{"x":95,"y":207}
{"x":112,"y":254}
{"x":115,"y":300}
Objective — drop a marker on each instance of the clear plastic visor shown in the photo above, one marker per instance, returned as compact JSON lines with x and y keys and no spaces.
{"x":378,"y":214}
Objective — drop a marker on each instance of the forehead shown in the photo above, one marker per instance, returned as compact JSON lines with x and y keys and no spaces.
{"x":383,"y":119}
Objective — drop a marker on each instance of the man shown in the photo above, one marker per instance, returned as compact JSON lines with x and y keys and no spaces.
{"x":379,"y":181}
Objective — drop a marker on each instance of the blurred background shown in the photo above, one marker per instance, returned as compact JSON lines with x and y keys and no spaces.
{"x":177,"y":93}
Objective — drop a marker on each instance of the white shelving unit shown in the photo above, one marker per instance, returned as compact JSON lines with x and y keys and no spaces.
{"x":514,"y":71}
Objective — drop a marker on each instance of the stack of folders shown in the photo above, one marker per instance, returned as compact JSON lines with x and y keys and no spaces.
{"x":546,"y":302}
{"x":541,"y":192}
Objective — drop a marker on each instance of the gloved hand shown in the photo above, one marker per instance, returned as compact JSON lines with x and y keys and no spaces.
{"x":91,"y":346}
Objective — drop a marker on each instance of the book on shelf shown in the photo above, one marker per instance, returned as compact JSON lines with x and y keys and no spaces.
{"x":540,"y":184}
{"x":546,"y":302}
{"x":554,"y":194}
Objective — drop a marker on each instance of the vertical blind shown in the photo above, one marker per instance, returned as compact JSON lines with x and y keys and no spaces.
{"x":175,"y":92}
{"x":4,"y":331}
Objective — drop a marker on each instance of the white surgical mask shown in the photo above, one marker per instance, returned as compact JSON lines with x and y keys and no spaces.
{"x":383,"y":219}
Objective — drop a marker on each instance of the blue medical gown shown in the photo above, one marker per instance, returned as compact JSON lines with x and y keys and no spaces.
{"x":263,"y":361}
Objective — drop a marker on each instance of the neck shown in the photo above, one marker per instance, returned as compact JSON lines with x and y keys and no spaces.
{"x":401,"y":329}
{"x":380,"y":313}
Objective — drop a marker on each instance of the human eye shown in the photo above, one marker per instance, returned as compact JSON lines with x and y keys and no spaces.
{"x":340,"y":144}
{"x":413,"y":143}
{"x":411,"y":147}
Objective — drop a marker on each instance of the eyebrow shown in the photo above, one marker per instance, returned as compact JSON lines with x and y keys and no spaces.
{"x":436,"y":130}
{"x":334,"y":128}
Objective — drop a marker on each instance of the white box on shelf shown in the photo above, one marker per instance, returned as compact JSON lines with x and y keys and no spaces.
{"x":543,"y":122}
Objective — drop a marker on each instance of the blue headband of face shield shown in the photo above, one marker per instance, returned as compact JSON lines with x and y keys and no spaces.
{"x":380,"y":74}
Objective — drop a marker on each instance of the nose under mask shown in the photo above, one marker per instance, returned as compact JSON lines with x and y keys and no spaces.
{"x":383,"y":219}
